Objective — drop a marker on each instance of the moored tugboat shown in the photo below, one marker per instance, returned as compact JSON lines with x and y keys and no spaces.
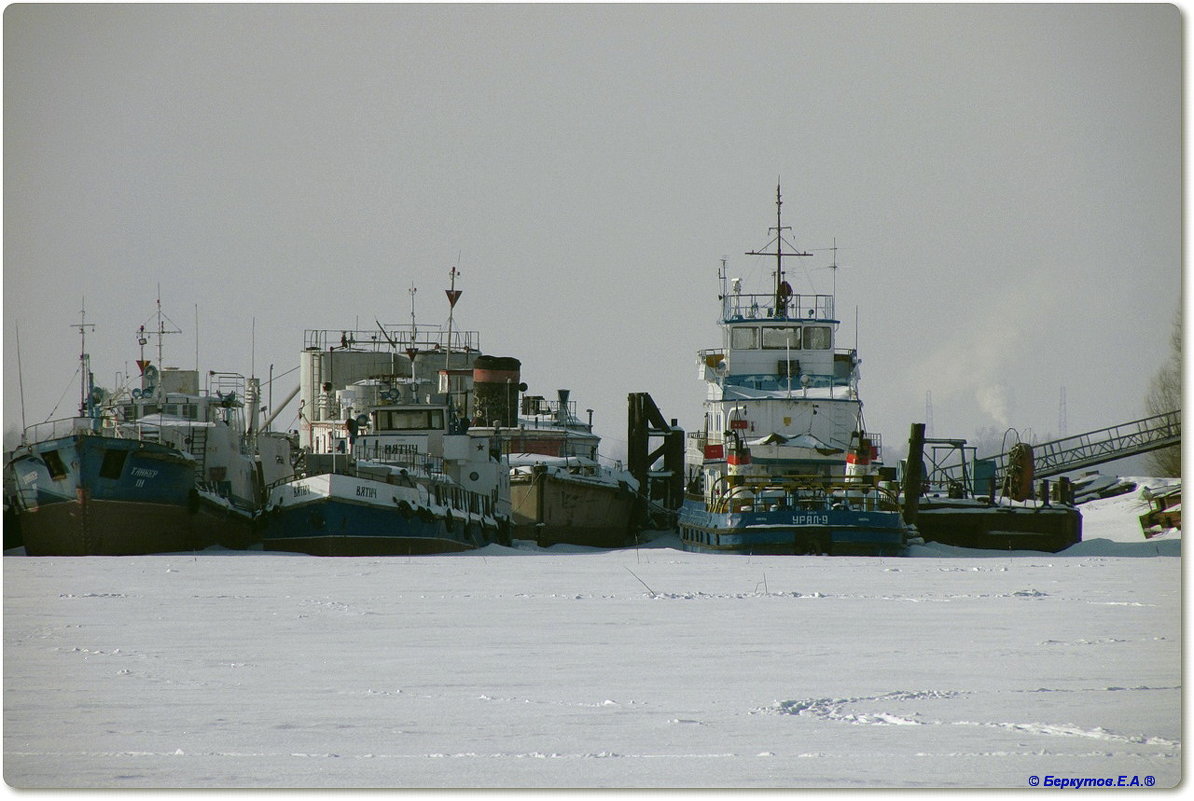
{"x":783,"y":463}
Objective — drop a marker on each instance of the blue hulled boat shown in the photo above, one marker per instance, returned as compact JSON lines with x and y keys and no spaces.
{"x":87,"y":493}
{"x":154,"y":468}
{"x":81,"y":487}
{"x":783,"y":462}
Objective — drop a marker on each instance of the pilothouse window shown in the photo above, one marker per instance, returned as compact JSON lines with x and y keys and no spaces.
{"x":744,"y":337}
{"x":187,"y":411}
{"x":410,"y":419}
{"x":781,"y":338}
{"x":818,"y":337}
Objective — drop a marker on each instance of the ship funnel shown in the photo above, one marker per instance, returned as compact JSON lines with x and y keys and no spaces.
{"x":496,"y":386}
{"x":563,"y":411}
{"x":252,"y":404}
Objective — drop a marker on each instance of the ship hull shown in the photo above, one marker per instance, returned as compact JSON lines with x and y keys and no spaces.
{"x":109,"y":528}
{"x":337,"y":528}
{"x":788,"y":532}
{"x":226,"y":526}
{"x":334,"y":515}
{"x":89,"y":495}
{"x":975,"y":525}
{"x":12,"y":528}
{"x":551,"y":509}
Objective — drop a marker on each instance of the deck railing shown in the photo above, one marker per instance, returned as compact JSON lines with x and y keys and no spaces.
{"x":388,"y":338}
{"x":763,"y":306}
{"x":812,"y":493}
{"x":698,"y":440}
{"x":400,"y":455}
{"x":60,"y":427}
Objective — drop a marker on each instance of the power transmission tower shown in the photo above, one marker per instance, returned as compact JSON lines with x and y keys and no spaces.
{"x":1061,"y":415}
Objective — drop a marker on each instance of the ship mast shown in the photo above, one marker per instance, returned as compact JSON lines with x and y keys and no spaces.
{"x":782,"y":291}
{"x":414,"y":330}
{"x":162,"y":320}
{"x":84,"y":363}
{"x":142,"y":338}
{"x":779,"y":238}
{"x":453,"y":296}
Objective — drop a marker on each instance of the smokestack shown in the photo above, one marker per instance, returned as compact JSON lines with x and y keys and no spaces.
{"x":496,"y":384}
{"x":563,"y":412}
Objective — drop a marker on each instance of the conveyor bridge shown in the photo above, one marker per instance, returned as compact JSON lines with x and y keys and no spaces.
{"x":1087,"y":450}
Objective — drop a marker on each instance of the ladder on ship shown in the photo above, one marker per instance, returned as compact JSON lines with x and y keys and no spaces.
{"x":1092,"y":448}
{"x":198,"y":447}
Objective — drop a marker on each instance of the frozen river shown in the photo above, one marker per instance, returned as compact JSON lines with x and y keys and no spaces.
{"x":649,"y":668}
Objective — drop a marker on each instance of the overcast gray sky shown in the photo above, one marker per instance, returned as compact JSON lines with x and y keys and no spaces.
{"x":1003,"y":183}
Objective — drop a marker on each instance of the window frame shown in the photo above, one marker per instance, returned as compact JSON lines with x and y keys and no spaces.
{"x":787,"y":331}
{"x":826,"y":331}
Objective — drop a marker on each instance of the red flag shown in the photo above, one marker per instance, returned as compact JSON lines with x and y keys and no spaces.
{"x":142,"y":363}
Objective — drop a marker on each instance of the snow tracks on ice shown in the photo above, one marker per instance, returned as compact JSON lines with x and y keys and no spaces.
{"x":934,"y":708}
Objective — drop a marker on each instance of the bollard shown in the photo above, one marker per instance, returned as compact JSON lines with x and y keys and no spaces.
{"x":912,"y":475}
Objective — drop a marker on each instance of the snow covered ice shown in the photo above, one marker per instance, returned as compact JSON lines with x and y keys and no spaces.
{"x":574,"y":668}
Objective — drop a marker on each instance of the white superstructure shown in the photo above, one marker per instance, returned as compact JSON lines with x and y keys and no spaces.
{"x":781,"y":397}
